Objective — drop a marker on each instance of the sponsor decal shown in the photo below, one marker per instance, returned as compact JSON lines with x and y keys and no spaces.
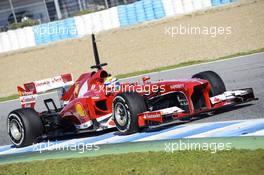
{"x":51,"y":83}
{"x":177,"y":86}
{"x":152,"y":115}
{"x":76,"y":89}
{"x":80,"y":109}
{"x":215,"y":100}
{"x":48,"y":81}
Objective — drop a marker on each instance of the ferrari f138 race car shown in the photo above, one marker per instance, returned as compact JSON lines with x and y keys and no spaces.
{"x":96,"y":101}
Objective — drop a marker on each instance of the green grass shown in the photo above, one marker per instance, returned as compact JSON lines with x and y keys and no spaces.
{"x":181,"y":162}
{"x":11,"y":97}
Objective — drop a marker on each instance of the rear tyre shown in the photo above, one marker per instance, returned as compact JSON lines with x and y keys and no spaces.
{"x":24,"y":127}
{"x":216,"y":82}
{"x":126,"y":107}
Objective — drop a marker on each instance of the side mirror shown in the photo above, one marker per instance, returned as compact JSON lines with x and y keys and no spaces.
{"x":146,"y":80}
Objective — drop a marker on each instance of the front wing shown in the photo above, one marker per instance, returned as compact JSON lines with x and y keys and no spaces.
{"x":172,"y":114}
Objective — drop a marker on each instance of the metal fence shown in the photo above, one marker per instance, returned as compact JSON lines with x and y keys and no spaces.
{"x":15,"y":11}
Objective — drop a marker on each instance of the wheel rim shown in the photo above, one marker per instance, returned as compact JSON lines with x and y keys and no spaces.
{"x":15,"y":130}
{"x":121,"y":115}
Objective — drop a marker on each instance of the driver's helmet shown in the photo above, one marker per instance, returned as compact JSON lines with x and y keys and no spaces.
{"x":112,"y":83}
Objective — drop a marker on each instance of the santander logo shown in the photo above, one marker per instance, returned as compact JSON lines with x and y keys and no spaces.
{"x":151,"y":116}
{"x":48,"y":81}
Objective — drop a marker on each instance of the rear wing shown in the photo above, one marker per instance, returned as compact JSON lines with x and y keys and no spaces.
{"x":29,"y":92}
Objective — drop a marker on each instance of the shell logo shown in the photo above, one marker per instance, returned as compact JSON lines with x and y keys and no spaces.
{"x":80,"y":109}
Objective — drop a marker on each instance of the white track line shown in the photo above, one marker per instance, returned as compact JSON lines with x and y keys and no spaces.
{"x":159,"y":136}
{"x":238,"y":126}
{"x":257,"y":133}
{"x":113,"y":139}
{"x":13,"y":151}
{"x":173,"y":132}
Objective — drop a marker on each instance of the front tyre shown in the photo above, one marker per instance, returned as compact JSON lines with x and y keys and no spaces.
{"x":24,"y":127}
{"x":216,"y":82}
{"x":126,"y":107}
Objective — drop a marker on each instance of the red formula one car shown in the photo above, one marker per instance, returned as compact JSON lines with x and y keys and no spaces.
{"x":97,"y":101}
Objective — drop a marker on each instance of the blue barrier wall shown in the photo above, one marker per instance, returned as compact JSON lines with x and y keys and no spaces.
{"x":140,"y":11}
{"x":55,"y":31}
{"x":220,"y":2}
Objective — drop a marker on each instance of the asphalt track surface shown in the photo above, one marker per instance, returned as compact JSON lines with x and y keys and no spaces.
{"x":240,"y":72}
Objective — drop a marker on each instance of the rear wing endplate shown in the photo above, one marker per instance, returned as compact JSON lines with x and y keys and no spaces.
{"x":28,"y":94}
